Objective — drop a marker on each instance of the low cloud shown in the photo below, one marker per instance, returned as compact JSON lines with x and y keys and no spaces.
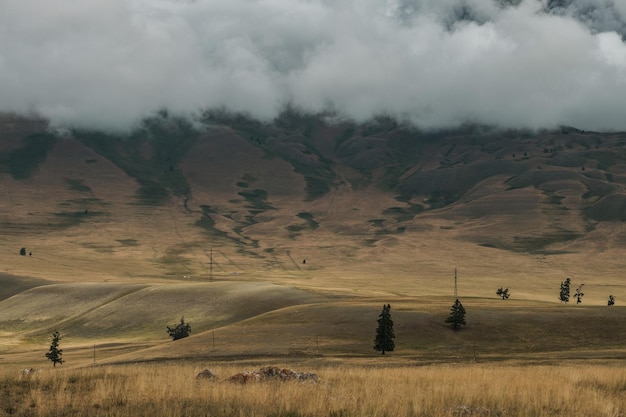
{"x":108,"y":63}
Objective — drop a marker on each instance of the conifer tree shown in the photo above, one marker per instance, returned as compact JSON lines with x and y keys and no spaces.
{"x":54,"y":354}
{"x":181,"y":330}
{"x":456,"y":319}
{"x":564,"y":293}
{"x":579,"y":294}
{"x":611,"y":300}
{"x":504,"y":293}
{"x":384,"y":333}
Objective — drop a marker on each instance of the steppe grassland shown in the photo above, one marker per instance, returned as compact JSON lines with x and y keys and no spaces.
{"x":422,"y":264}
{"x":570,"y":389}
{"x":247,"y":319}
{"x":343,"y":256}
{"x":346,"y":254}
{"x":396,"y":266}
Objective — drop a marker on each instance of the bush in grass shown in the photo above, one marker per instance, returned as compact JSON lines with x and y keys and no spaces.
{"x":504,"y":293}
{"x":181,"y":330}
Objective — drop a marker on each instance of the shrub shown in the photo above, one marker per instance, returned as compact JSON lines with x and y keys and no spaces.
{"x":181,"y":330}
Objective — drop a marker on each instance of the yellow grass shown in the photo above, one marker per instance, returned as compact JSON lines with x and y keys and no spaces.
{"x":571,"y":390}
{"x":120,"y":276}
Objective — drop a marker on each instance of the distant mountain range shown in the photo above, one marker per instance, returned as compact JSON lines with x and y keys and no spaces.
{"x":255,"y":187}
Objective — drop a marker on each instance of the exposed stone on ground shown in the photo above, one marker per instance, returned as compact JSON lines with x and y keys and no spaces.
{"x":206,"y":374}
{"x":29,"y":371}
{"x":471,"y":411}
{"x":270,"y":373}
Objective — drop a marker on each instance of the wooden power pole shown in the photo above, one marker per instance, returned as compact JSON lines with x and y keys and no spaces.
{"x":211,"y":266}
{"x":456,"y":294}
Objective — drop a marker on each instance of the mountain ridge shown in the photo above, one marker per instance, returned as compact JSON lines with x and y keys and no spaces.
{"x":269,"y":193}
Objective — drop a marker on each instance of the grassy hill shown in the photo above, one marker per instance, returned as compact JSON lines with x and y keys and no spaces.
{"x":307,"y":227}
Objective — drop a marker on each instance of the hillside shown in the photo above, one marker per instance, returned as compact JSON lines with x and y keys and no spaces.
{"x":267,"y":196}
{"x":123,"y":231}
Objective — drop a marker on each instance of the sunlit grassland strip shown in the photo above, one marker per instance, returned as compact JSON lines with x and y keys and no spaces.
{"x":445,"y":390}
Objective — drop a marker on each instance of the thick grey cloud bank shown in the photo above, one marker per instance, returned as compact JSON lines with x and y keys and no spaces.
{"x":513,"y":63}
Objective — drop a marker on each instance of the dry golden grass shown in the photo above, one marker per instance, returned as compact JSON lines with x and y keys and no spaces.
{"x":123,"y":273}
{"x":348,"y":253}
{"x":572,"y":389}
{"x":257,"y":326}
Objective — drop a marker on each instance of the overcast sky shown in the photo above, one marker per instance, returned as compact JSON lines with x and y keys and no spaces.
{"x":513,"y":63}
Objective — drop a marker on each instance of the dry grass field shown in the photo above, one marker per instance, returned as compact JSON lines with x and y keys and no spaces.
{"x":165,"y":389}
{"x":125,"y":236}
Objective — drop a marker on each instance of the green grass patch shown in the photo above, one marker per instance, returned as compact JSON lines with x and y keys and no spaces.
{"x":128,"y":242}
{"x":249,"y":178}
{"x":377,"y":222}
{"x":74,"y":218}
{"x":77,"y":185}
{"x":535,"y":244}
{"x":319,"y":177}
{"x":403,"y":214}
{"x":310,"y":224}
{"x":150,"y":154}
{"x":256,"y":200}
{"x":12,"y":285}
{"x":345,"y":135}
{"x":296,"y":228}
{"x":555,"y":199}
{"x":361,"y":182}
{"x":316,"y":187}
{"x":152,"y":193}
{"x":244,"y":125}
{"x":21,"y":162}
{"x":174,"y":257}
{"x":308,"y":217}
{"x":404,"y":198}
{"x":89,"y":201}
{"x":207,"y":223}
{"x":98,"y":247}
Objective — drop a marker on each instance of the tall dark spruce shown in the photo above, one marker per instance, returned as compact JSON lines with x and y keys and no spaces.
{"x":384,"y":333}
{"x":54,"y":353}
{"x":456,"y":319}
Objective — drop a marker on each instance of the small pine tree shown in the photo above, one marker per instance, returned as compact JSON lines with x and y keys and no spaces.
{"x":384,"y":333}
{"x":457,"y":315}
{"x":504,"y":293}
{"x":579,"y":294}
{"x":564,"y":293}
{"x":611,"y":300}
{"x":54,"y":354}
{"x":180,"y":331}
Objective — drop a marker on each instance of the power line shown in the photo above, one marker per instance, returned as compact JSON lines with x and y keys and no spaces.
{"x":211,"y":265}
{"x":456,"y":295}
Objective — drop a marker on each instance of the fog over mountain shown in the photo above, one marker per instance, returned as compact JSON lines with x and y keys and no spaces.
{"x":435,"y":63}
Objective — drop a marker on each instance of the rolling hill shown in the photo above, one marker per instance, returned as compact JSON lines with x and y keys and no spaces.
{"x":236,"y":224}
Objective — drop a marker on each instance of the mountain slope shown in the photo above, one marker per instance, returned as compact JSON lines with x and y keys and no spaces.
{"x":309,"y":200}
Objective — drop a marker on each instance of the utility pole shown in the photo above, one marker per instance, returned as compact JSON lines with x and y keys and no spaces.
{"x":456,"y":295}
{"x":211,"y":266}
